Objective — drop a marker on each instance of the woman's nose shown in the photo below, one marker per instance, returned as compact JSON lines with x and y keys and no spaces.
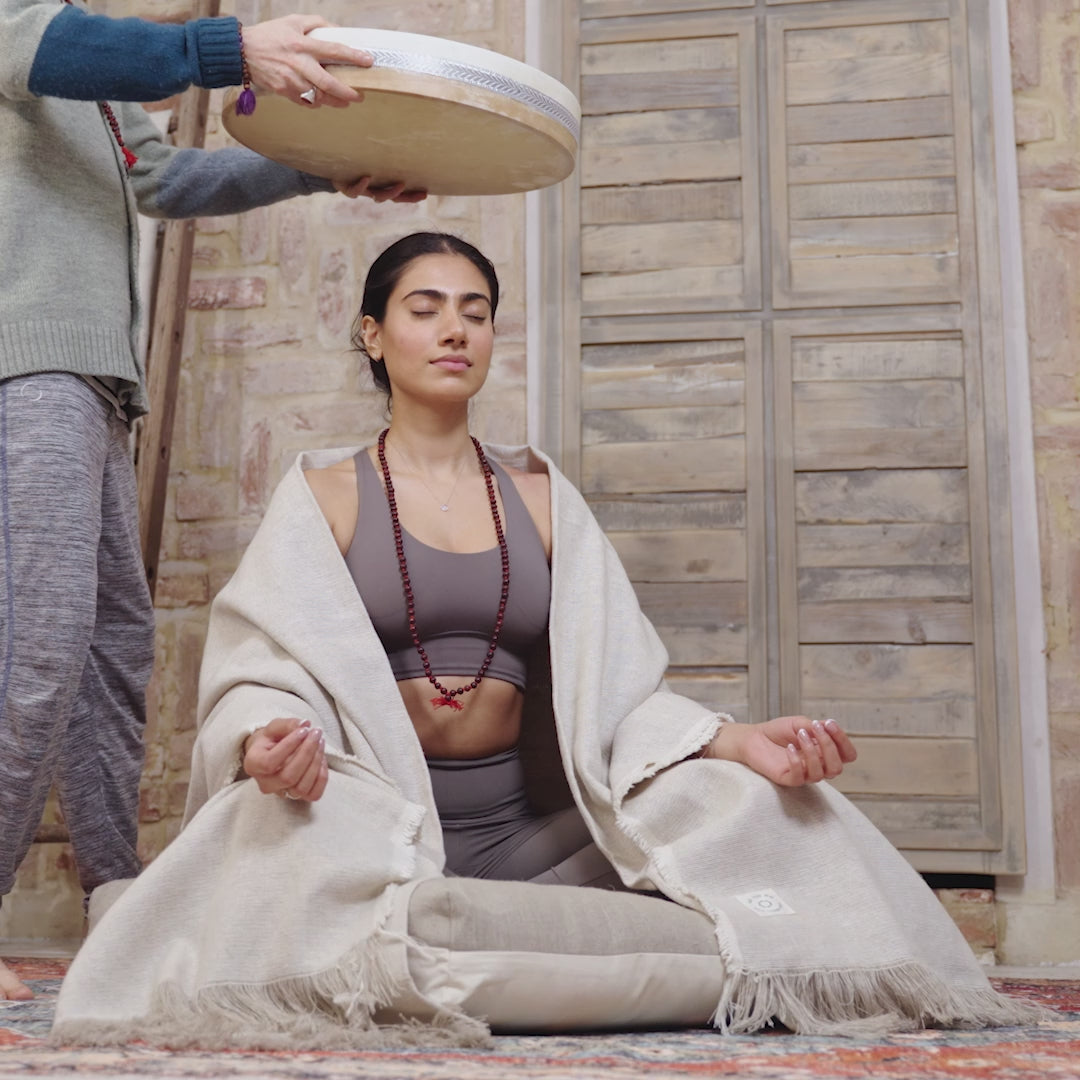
{"x":453,"y":329}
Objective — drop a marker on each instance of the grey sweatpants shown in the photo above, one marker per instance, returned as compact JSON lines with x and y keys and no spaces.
{"x":76,"y":625}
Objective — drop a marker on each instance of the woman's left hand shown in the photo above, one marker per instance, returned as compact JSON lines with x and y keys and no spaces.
{"x":789,"y":751}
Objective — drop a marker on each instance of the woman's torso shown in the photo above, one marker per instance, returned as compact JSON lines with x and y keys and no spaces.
{"x":455,"y":572}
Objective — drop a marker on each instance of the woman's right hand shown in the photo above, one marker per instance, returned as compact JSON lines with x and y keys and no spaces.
{"x":288,"y":758}
{"x":284,"y":58}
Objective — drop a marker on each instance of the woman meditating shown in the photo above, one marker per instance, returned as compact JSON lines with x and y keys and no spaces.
{"x":449,"y":551}
{"x":410,"y":616}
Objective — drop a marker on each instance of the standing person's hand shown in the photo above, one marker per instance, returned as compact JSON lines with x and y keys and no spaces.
{"x":283,"y":58}
{"x":288,"y":758}
{"x":389,"y":193}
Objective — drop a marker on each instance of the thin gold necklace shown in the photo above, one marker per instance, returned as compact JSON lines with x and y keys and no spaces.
{"x":443,"y":504}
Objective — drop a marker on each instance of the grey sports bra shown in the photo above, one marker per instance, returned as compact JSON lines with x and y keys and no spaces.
{"x":456,"y":595}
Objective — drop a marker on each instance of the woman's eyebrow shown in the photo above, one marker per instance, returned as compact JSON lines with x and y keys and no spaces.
{"x":437,"y":294}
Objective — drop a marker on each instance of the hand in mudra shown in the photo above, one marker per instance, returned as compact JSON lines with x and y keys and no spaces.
{"x":287,"y":758}
{"x":789,"y":751}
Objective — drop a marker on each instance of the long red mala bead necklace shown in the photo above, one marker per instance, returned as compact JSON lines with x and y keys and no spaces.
{"x":114,"y":126}
{"x":447,"y":696}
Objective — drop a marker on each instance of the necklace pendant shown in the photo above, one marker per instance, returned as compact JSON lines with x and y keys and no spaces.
{"x":444,"y":508}
{"x":442,"y":699}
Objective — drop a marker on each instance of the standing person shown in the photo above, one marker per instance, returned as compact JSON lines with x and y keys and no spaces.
{"x":76,"y":622}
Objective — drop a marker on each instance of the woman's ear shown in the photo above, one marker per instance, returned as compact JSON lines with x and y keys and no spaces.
{"x":370,"y":332}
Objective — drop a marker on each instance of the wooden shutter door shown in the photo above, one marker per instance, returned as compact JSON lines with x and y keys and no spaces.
{"x":791,"y":417}
{"x":671,"y":425}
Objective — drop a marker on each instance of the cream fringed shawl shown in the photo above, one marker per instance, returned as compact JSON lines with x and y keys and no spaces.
{"x":272,"y":923}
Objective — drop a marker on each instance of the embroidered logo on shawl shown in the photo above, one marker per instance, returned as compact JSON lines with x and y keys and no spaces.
{"x":765,"y":902}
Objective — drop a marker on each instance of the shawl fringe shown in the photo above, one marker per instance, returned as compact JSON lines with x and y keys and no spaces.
{"x":863,"y":1003}
{"x":332,"y":1010}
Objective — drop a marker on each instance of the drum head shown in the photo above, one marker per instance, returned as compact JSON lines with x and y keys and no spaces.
{"x":436,"y":114}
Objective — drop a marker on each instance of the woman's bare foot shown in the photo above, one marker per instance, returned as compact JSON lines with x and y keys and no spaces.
{"x":12,"y":988}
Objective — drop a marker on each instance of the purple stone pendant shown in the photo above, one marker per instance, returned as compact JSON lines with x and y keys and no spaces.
{"x":245,"y":103}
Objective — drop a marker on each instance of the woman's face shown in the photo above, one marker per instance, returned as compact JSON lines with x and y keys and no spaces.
{"x":437,"y":335}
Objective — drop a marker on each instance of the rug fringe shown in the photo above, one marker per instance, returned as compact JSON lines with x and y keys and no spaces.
{"x":332,"y":1010}
{"x":864,"y":1003}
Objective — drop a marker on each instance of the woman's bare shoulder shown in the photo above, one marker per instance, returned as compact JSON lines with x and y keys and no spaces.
{"x":334,"y":488}
{"x":535,"y":485}
{"x":535,"y":491}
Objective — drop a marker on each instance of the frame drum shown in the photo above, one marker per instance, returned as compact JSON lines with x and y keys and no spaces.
{"x":438,"y":114}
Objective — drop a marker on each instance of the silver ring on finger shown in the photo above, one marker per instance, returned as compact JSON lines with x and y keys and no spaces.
{"x":291,"y":795}
{"x":309,"y":95}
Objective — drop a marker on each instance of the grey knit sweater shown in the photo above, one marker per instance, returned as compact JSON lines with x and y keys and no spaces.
{"x":68,"y":235}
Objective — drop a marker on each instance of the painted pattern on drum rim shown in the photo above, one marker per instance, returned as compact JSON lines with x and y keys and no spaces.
{"x":479,"y":77}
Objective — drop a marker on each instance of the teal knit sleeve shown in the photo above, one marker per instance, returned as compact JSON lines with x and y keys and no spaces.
{"x":92,"y":57}
{"x":175,"y":183}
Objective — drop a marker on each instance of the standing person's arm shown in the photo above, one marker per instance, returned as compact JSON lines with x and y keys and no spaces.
{"x":58,"y":50}
{"x":172,"y":182}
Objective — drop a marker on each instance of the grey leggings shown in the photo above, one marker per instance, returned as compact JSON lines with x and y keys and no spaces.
{"x":76,"y":625}
{"x":491,"y":831}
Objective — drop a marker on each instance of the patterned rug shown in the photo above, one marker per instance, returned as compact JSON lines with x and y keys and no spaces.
{"x":1048,"y":1051}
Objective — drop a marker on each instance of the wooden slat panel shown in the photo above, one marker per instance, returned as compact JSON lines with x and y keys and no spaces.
{"x":888,"y":273}
{"x":702,"y":624}
{"x":649,"y":164}
{"x":865,"y":583}
{"x":683,"y":555}
{"x":882,"y":199}
{"x":858,"y":358}
{"x":669,"y":202}
{"x":690,"y":646}
{"x":937,"y":817}
{"x":915,"y":118}
{"x":712,"y":54}
{"x":883,"y":159}
{"x":900,"y":622}
{"x":924,"y":403}
{"x":950,"y":717}
{"x":708,"y":605}
{"x":881,"y":448}
{"x":914,"y":234}
{"x":877,"y":78}
{"x":701,"y":465}
{"x":660,"y":128}
{"x":596,"y":9}
{"x":888,"y":495}
{"x":912,"y":766}
{"x":659,"y":23}
{"x":626,"y":331}
{"x":642,"y":388}
{"x":684,"y":510}
{"x":857,"y":42}
{"x":661,"y":246}
{"x":723,"y":356}
{"x":724,"y":691}
{"x":883,"y":545}
{"x":660,"y":424}
{"x":873,"y":672}
{"x":671,"y":90}
{"x":674,"y":373}
{"x":686,"y":289}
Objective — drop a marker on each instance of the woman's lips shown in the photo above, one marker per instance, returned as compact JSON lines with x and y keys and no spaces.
{"x":452,"y":363}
